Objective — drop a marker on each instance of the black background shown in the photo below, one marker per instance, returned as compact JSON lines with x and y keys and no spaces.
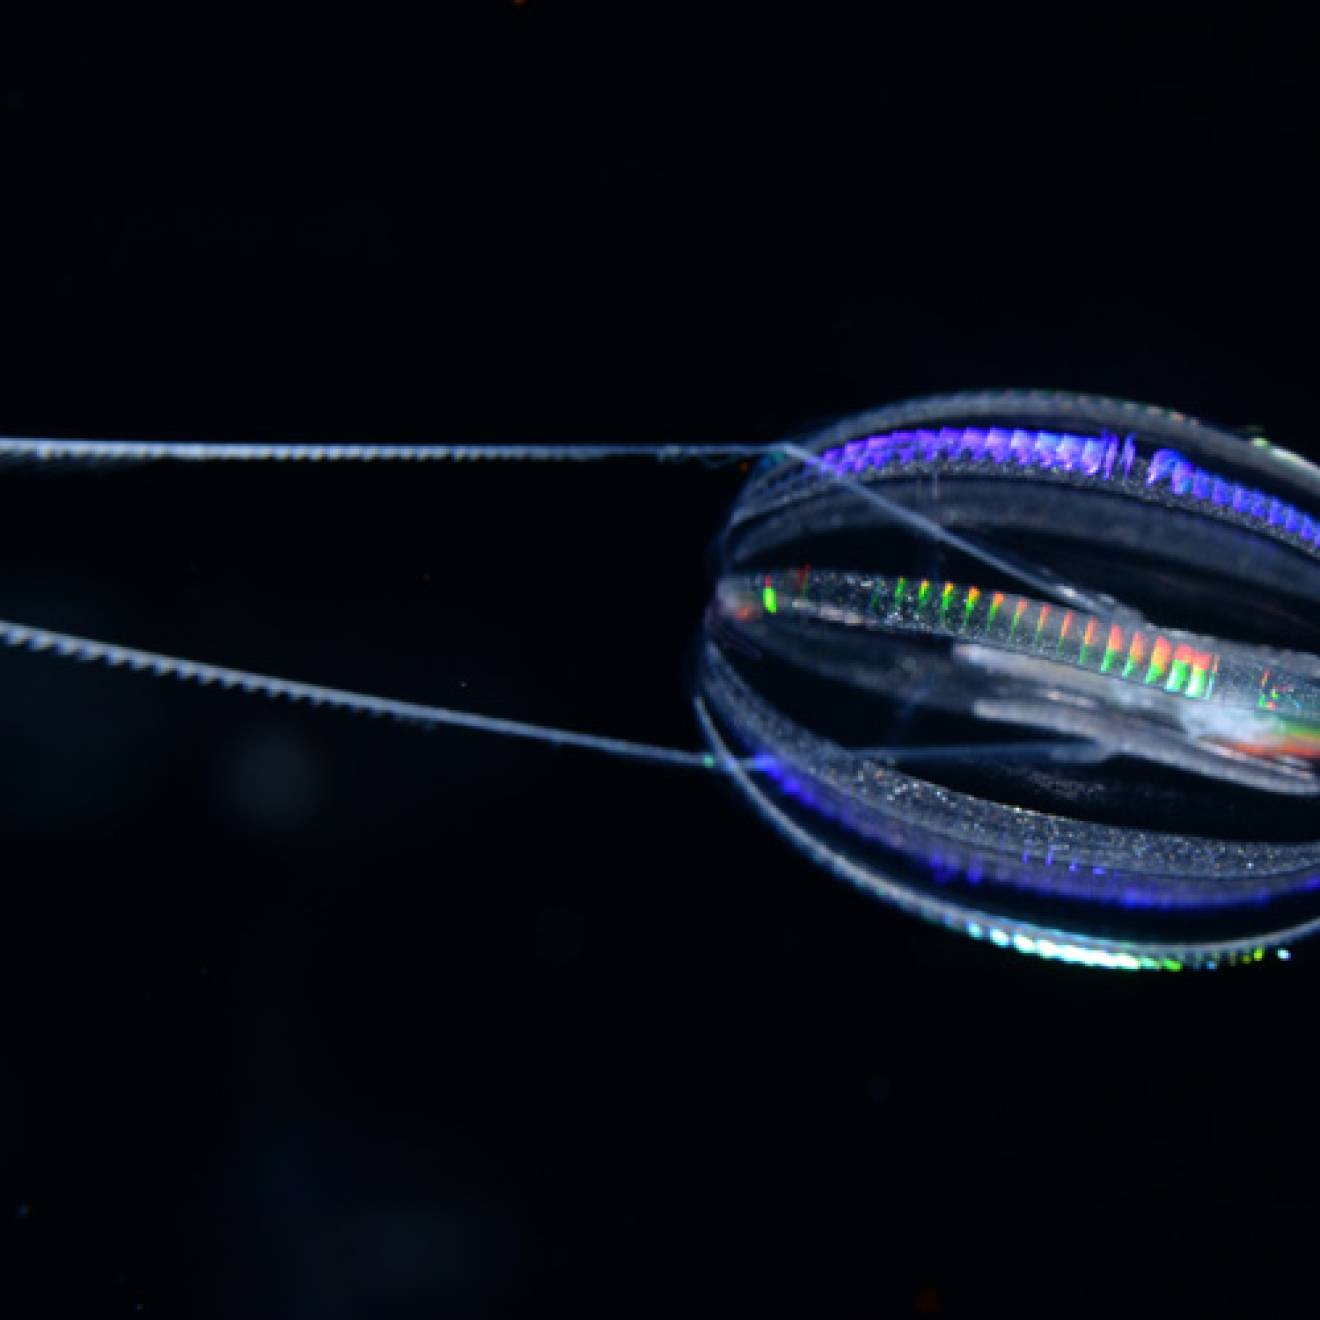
{"x":311,"y":1016}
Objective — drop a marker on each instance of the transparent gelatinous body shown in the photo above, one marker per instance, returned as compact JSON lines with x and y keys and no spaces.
{"x":1040,"y":667}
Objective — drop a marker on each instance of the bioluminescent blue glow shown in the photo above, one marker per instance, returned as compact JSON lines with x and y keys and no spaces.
{"x":1041,"y":668}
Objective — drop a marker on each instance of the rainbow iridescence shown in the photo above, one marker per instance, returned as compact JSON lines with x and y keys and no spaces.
{"x":1142,"y":656}
{"x":1103,"y":751}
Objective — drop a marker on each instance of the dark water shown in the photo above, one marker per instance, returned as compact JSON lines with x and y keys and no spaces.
{"x":309,"y":1016}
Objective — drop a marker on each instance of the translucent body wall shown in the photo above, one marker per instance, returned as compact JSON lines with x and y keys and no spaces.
{"x":1039,"y":667}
